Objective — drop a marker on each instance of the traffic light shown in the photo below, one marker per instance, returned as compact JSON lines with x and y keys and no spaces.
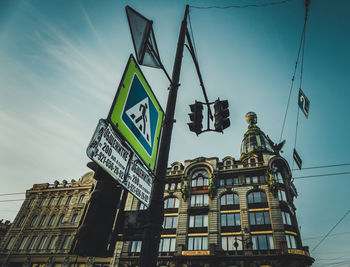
{"x":196,"y":117}
{"x":221,"y":115}
{"x":94,"y":236}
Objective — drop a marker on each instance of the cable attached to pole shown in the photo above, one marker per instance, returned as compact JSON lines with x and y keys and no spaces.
{"x":300,"y":51}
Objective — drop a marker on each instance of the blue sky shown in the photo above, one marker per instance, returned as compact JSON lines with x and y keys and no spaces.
{"x":61,"y":63}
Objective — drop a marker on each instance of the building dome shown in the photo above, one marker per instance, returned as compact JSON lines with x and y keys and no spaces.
{"x":254,"y":140}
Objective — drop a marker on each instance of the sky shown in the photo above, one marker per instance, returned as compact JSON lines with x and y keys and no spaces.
{"x":61,"y":63}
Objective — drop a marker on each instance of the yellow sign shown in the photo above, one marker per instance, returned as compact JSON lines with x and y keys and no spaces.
{"x":195,"y":252}
{"x":298,"y":251}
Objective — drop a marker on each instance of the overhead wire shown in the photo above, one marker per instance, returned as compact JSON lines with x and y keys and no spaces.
{"x":300,"y":50}
{"x":342,"y":218}
{"x":322,"y":166}
{"x":320,"y":175}
{"x":242,"y":6}
{"x":9,"y":194}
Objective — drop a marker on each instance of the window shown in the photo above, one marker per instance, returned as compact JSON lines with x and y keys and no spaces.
{"x":166,"y":187}
{"x":198,"y":243}
{"x":42,"y":242}
{"x":33,"y":220}
{"x":262,"y":242}
{"x":255,"y":179}
{"x":52,"y":242}
{"x":81,"y":198}
{"x":30,"y":202}
{"x":252,"y":163}
{"x":228,"y":181}
{"x":282,"y":195}
{"x":42,"y":201}
{"x":198,"y":221}
{"x":229,"y":199}
{"x":199,"y":200}
{"x":51,"y":201}
{"x":291,"y":241}
{"x":74,"y":218}
{"x":23,"y":242}
{"x":135,"y":246}
{"x":172,"y":186}
{"x":32,"y":242}
{"x":52,"y":220}
{"x":60,"y":219}
{"x":230,"y":219}
{"x":59,"y":202}
{"x":286,"y":218}
{"x":20,"y":222}
{"x":65,"y":242}
{"x":171,"y":203}
{"x":10,"y":243}
{"x":200,"y":178}
{"x":42,"y":220}
{"x":259,"y":217}
{"x":167,"y":244}
{"x":178,"y":186}
{"x":257,"y":197}
{"x":227,"y":242}
{"x":68,"y":200}
{"x":279,"y":177}
{"x":170,"y":222}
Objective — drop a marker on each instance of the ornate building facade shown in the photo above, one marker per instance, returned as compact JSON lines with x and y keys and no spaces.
{"x":229,"y":212}
{"x":43,"y":230}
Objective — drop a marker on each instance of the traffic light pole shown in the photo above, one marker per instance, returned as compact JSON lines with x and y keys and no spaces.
{"x":153,"y":228}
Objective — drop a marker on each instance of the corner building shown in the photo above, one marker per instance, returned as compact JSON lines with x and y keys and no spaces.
{"x":44,"y":228}
{"x":228,"y":213}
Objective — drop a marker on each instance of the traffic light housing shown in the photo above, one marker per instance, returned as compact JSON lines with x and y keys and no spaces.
{"x":94,"y":236}
{"x":196,"y":117}
{"x":221,"y":115}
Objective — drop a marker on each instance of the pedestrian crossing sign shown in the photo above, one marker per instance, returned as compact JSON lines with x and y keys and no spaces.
{"x":137,"y":115}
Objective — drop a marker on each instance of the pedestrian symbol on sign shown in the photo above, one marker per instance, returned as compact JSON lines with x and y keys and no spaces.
{"x":139,"y":114}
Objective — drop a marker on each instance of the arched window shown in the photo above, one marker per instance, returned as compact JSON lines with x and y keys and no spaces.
{"x":81,"y":198}
{"x":33,"y":220}
{"x":200,"y":178}
{"x":68,"y":200}
{"x":74,"y":218}
{"x":229,"y":199}
{"x":257,"y":197}
{"x":52,"y":220}
{"x":42,"y":220}
{"x":171,"y":203}
{"x":51,"y":201}
{"x":20,"y":222}
{"x":60,"y":219}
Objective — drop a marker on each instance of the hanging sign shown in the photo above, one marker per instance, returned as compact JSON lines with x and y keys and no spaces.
{"x":304,"y":103}
{"x":107,"y":150}
{"x":137,"y":115}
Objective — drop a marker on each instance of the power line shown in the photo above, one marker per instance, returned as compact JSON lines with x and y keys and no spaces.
{"x":317,"y":237}
{"x":242,"y":6}
{"x":320,"y":175}
{"x":324,"y":166}
{"x":9,"y":194}
{"x":342,"y":218}
{"x":10,"y":200}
